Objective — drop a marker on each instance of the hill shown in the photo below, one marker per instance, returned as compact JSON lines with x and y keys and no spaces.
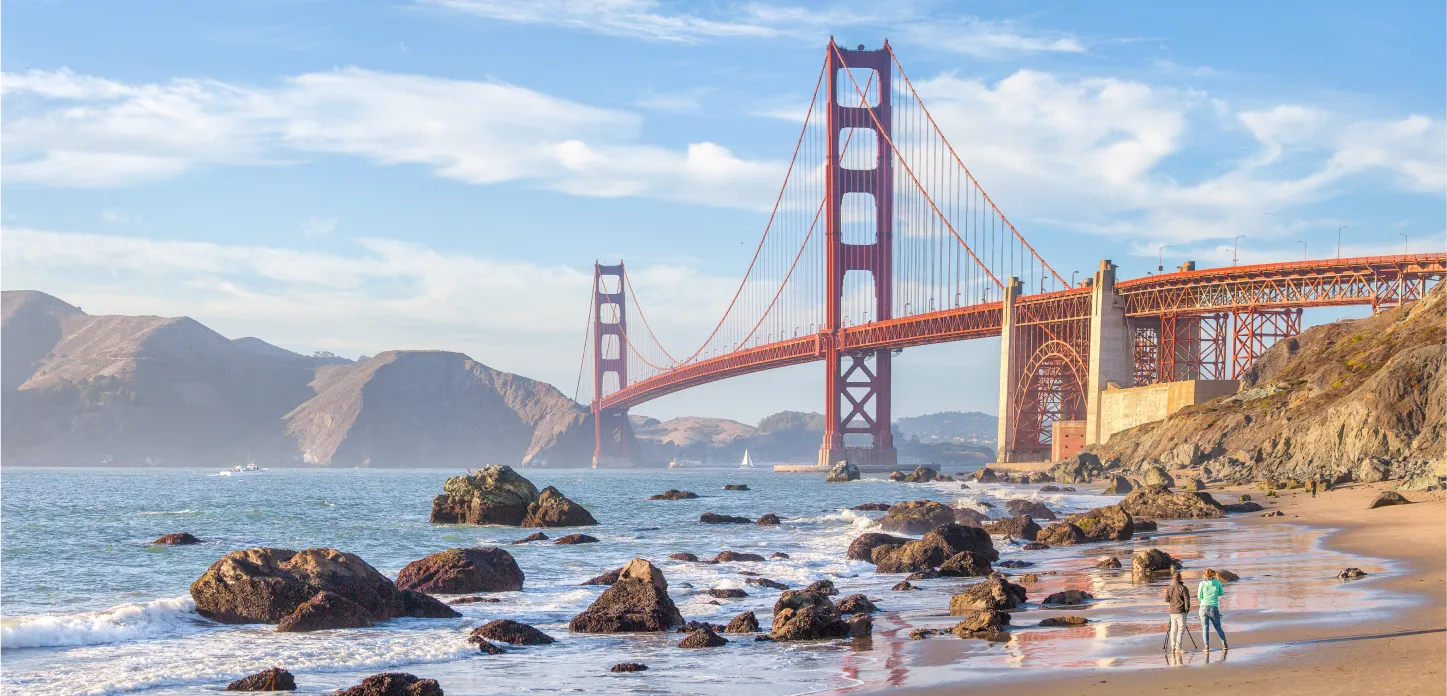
{"x":950,"y":426}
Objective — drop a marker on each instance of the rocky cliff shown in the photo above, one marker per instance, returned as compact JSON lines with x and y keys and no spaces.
{"x":1319,"y":403}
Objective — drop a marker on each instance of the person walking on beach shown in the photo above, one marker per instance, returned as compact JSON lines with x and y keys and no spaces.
{"x":1312,"y":485}
{"x":1208,"y":593}
{"x":1179,"y":599}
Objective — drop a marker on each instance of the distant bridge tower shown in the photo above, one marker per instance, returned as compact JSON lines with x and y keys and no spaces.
{"x":610,"y":325}
{"x":857,"y":394}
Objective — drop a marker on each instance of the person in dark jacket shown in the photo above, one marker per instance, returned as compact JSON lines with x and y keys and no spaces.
{"x":1179,"y":599}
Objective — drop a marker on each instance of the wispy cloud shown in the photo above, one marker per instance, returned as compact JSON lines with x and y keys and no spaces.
{"x":315,"y":226}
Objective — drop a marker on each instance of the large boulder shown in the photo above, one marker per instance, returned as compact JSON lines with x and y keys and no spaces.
{"x":937,"y":546}
{"x":509,"y":631}
{"x":806,"y":615}
{"x":965,"y":565}
{"x":1068,"y":598}
{"x":1119,"y":485}
{"x":264,"y":585}
{"x":274,"y":679}
{"x":743,"y":623}
{"x":1158,"y":476}
{"x":988,"y":624}
{"x":1110,"y":523}
{"x":1080,"y":468}
{"x":970,"y":517}
{"x":1386,"y":498}
{"x":863,"y":545}
{"x":1058,"y":534}
{"x":1158,"y":502}
{"x":178,"y":539}
{"x":674,"y":494}
{"x":842,"y":472}
{"x":994,"y":593}
{"x":553,"y":509}
{"x":923,"y":474}
{"x":491,"y":495}
{"x":1373,"y":471}
{"x":1034,"y":508}
{"x":1150,"y":561}
{"x":324,"y":612}
{"x":1018,"y":527}
{"x":393,"y":684}
{"x":638,"y":602}
{"x":703,"y":638}
{"x":461,"y":571}
{"x":715,"y":518}
{"x":855,"y":604}
{"x":984,"y":475}
{"x":916,"y":517}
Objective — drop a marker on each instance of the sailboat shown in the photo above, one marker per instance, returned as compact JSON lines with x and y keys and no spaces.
{"x":747,"y":463}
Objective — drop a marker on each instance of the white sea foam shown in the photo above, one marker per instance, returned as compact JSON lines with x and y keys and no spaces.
{"x":155,"y":619}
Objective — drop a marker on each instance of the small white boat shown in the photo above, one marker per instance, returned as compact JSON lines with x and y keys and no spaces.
{"x":747,"y":463}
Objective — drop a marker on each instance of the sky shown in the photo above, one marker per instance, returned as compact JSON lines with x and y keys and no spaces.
{"x":442,"y":174}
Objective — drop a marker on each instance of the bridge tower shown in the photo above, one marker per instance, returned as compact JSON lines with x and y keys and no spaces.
{"x":857,"y":393}
{"x":610,"y":324}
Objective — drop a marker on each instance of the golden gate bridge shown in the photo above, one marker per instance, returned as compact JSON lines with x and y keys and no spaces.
{"x":881,"y":238}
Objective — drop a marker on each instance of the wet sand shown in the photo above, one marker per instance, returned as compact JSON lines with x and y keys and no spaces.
{"x":1397,"y":646}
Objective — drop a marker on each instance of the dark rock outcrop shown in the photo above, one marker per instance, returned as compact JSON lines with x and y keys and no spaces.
{"x":637,"y":602}
{"x":988,"y":624}
{"x":474,"y":599}
{"x":553,"y":509}
{"x":491,"y":495}
{"x":984,"y":475}
{"x":1111,"y":523}
{"x":1150,"y":561}
{"x":458,"y":571}
{"x":325,"y":611}
{"x":769,"y":520}
{"x":916,"y":517}
{"x":674,"y":494}
{"x":1080,"y":468}
{"x":624,"y":667}
{"x":806,"y":615}
{"x":842,"y":472}
{"x":179,"y":539}
{"x":923,"y":474}
{"x":691,"y":558}
{"x":965,"y":565}
{"x":1243,"y":507}
{"x":736,"y":557}
{"x":1351,"y":574}
{"x":743,"y":623}
{"x":855,"y":604}
{"x":971,"y":517}
{"x":535,"y":536}
{"x":863,"y":545}
{"x":1108,"y":563}
{"x":607,"y":578}
{"x":1118,"y":485}
{"x":703,"y":638}
{"x":823,"y":587}
{"x":274,"y":679}
{"x":572,"y":539}
{"x":726,"y":593}
{"x":874,"y":507}
{"x":1160,"y":503}
{"x":736,"y":486}
{"x":714,"y":518}
{"x":485,"y":646}
{"x":1035,"y":509}
{"x":394,"y":684}
{"x":903,"y":585}
{"x":993,"y":593}
{"x":1018,"y":527}
{"x":1068,"y":598}
{"x":509,"y":631}
{"x":765,"y":582}
{"x":1037,"y":545}
{"x":1065,"y":621}
{"x":1388,"y":498}
{"x":937,"y":545}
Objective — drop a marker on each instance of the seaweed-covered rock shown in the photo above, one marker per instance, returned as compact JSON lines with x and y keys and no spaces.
{"x":178,"y":539}
{"x":743,"y":623}
{"x":703,"y":638}
{"x":714,"y":518}
{"x":993,"y":593}
{"x":553,"y":509}
{"x":1017,"y":527}
{"x":393,"y":684}
{"x":806,"y":615}
{"x":855,"y":604}
{"x":637,"y":602}
{"x":274,"y":679}
{"x":509,"y":631}
{"x":916,"y":517}
{"x":823,"y":587}
{"x":491,"y":495}
{"x":674,"y":494}
{"x":325,"y":611}
{"x":456,"y":571}
{"x":842,"y":472}
{"x":871,"y":507}
{"x":625,"y":667}
{"x":1160,"y":503}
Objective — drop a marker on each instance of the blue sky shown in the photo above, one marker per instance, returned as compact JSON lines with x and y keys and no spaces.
{"x":363,"y":176}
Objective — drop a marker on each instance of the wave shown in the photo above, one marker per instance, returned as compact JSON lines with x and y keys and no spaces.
{"x":155,"y":619}
{"x":171,"y":512}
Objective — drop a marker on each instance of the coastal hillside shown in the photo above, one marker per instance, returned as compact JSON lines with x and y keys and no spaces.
{"x":689,"y":431}
{"x":83,"y":390}
{"x":950,"y":426}
{"x":1317,"y":404}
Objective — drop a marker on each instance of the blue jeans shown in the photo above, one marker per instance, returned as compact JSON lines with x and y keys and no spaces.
{"x":1211,"y":616}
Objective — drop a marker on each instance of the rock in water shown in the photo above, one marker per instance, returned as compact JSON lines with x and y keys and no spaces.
{"x":1158,"y":502}
{"x":806,"y":615}
{"x":986,"y":624}
{"x":459,"y":571}
{"x":1351,"y":574}
{"x":262,"y":585}
{"x":916,"y":517}
{"x":736,"y":486}
{"x":674,"y":494}
{"x":535,"y":536}
{"x":965,"y":565}
{"x":491,"y":495}
{"x":274,"y":679}
{"x":855,"y":604}
{"x":1151,"y":561}
{"x":994,"y":593}
{"x":607,"y":578}
{"x":842,"y":472}
{"x":937,"y":546}
{"x":736,"y":557}
{"x":824,"y":587}
{"x":703,"y":638}
{"x":765,"y":582}
{"x":509,"y":631}
{"x":896,"y":476}
{"x":1080,"y":468}
{"x":485,"y":647}
{"x":1035,"y":509}
{"x":1119,"y":485}
{"x":638,"y":602}
{"x":1068,"y":598}
{"x":1018,"y":527}
{"x":681,"y":556}
{"x":325,"y":611}
{"x":1108,"y":563}
{"x":629,"y":667}
{"x":922,"y":474}
{"x":474,"y":599}
{"x":1111,"y":523}
{"x":743,"y":623}
{"x":1065,"y":621}
{"x":863,"y":545}
{"x":393,"y":684}
{"x":984,"y":475}
{"x":769,"y":520}
{"x":1386,"y":498}
{"x":1158,"y":476}
{"x":726,"y":593}
{"x":873,"y":507}
{"x":714,"y":518}
{"x":572,"y":539}
{"x":902,"y":586}
{"x":1058,"y":534}
{"x":1227,"y":576}
{"x":181,"y":539}
{"x":553,"y":509}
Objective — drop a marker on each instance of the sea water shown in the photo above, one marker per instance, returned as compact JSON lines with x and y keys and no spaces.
{"x":90,"y":606}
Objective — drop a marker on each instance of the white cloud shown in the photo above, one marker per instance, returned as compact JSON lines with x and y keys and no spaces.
{"x":315,"y":226}
{"x":684,"y":100}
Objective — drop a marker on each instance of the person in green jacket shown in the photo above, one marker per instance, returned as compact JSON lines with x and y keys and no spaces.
{"x":1208,"y":593}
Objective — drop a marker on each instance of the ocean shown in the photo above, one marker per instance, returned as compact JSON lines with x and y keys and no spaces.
{"x":90,"y":606}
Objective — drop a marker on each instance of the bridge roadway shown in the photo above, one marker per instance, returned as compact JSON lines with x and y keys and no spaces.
{"x":1368,"y":280}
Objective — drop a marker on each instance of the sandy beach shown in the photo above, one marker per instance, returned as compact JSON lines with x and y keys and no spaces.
{"x":1404,"y":653}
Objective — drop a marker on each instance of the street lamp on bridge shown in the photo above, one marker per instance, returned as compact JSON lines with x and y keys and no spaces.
{"x":1404,"y":243}
{"x":1235,"y":248}
{"x":1303,"y":249}
{"x":1161,"y":257}
{"x":1338,"y":239}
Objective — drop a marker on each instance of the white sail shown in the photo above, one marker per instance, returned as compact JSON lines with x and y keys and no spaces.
{"x":747,"y":463}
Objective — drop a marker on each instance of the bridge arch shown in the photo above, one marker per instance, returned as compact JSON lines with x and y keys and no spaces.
{"x":1052,"y":389}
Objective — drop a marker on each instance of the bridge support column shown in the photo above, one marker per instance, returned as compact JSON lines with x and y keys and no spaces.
{"x":1257,"y":330}
{"x":611,"y":430}
{"x":1010,"y":366}
{"x":1112,"y":347}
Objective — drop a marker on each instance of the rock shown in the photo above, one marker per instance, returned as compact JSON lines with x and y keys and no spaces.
{"x":768,"y":520}
{"x":1274,"y":513}
{"x":806,"y":615}
{"x":691,"y":626}
{"x":860,"y":625}
{"x":984,"y":475}
{"x":965,"y":565}
{"x":1029,"y":579}
{"x":1372,"y":471}
{"x":1141,"y":525}
{"x":736,"y":486}
{"x":180,"y":539}
{"x":393,"y":684}
{"x":1243,"y":507}
{"x":535,"y":536}
{"x":1050,"y":489}
{"x":474,"y":599}
{"x":1351,"y":574}
{"x":922,"y":575}
{"x":1018,"y":527}
{"x":1108,"y":563}
{"x":1119,"y":485}
{"x":916,"y":517}
{"x":842,"y":472}
{"x":1058,"y":534}
{"x":325,"y":611}
{"x":1422,"y":483}
{"x":896,"y":476}
{"x":1036,"y":545}
{"x":923,"y":633}
{"x":855,"y":604}
{"x":871,"y":507}
{"x":1039,"y":477}
{"x":607,"y":578}
{"x":736,"y":557}
{"x":1068,"y":598}
{"x":922,"y":474}
{"x":712,"y":518}
{"x":863,"y":545}
{"x":274,"y":679}
{"x":674,"y":494}
{"x":964,"y":486}
{"x":902,"y":586}
{"x":703,"y":638}
{"x":456,"y":571}
{"x":1227,"y":576}
{"x":1158,"y":476}
{"x":823,"y":587}
{"x":1194,"y":484}
{"x":1065,"y":621}
{"x":765,"y":582}
{"x":778,"y":554}
{"x":1160,"y":503}
{"x":987,"y":623}
{"x":484,"y":647}
{"x":1077,"y":469}
{"x":263,"y":585}
{"x":576,"y":539}
{"x":553,"y":509}
{"x":683,"y":557}
{"x":1151,"y":561}
{"x":1035,"y":509}
{"x":637,"y":602}
{"x":491,"y":495}
{"x":993,"y":593}
{"x":726,"y":593}
{"x":743,"y":623}
{"x":1111,"y":523}
{"x":970,"y":517}
{"x":938,"y":545}
{"x":1386,"y":498}
{"x":509,"y":631}
{"x":624,"y":667}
